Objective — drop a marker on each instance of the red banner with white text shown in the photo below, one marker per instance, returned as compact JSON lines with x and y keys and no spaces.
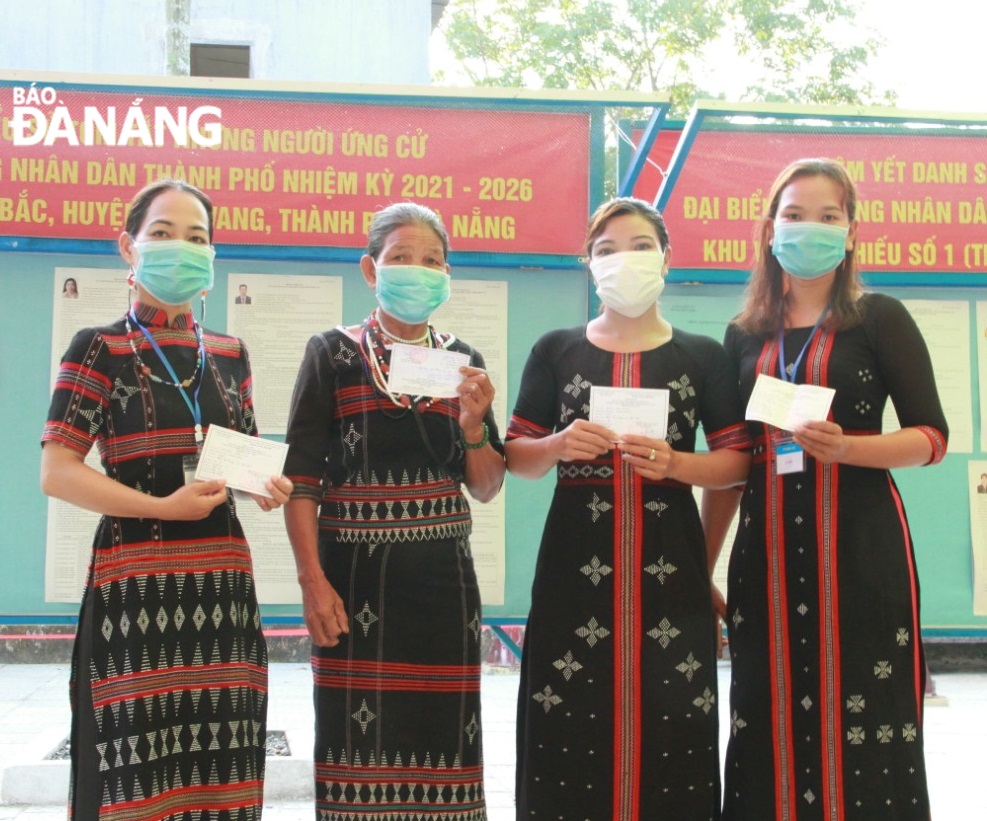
{"x":297,"y":171}
{"x":922,"y":195}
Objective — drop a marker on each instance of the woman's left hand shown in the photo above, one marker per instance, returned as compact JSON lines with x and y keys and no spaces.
{"x":823,"y":441}
{"x":476,"y":393}
{"x":280,"y":488}
{"x":650,"y":458}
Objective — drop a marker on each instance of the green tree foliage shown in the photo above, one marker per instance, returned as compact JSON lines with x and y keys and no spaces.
{"x":664,"y":46}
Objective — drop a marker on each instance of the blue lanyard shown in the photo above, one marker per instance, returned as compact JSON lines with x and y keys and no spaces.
{"x":193,"y":403}
{"x":798,"y":360}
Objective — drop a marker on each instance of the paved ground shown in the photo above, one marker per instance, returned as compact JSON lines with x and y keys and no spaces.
{"x":34,"y":720}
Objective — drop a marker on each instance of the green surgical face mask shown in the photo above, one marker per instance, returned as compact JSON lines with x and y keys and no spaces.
{"x":808,"y":250}
{"x":410,"y":293}
{"x":174,"y":271}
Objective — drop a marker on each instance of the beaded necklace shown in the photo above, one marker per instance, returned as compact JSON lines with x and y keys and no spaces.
{"x":374,"y":349}
{"x":184,"y":383}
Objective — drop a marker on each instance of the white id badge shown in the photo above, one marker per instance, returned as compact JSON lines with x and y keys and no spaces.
{"x":789,"y":457}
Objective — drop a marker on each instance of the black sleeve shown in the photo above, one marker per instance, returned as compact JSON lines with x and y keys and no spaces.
{"x":248,"y":422}
{"x":309,"y":420}
{"x":535,"y":412}
{"x":905,"y":364}
{"x":720,"y":409}
{"x":81,"y":398}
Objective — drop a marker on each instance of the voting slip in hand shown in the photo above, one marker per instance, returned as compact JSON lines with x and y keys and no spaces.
{"x":642,"y":411}
{"x":420,"y":371}
{"x":787,"y":406}
{"x":245,"y":462}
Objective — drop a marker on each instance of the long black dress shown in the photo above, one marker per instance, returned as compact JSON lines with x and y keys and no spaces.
{"x":397,"y":702}
{"x":617,"y":713}
{"x":827,"y":665}
{"x":170,"y":666}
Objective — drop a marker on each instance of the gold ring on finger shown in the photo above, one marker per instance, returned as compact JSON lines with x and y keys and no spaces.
{"x":652,"y":455}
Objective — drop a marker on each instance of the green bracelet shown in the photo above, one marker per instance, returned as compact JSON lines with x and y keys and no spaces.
{"x":477,"y":445}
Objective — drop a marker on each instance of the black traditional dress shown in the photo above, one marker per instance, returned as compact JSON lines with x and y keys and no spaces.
{"x":170,"y":665}
{"x":617,"y":713}
{"x":397,"y":702}
{"x":828,"y":672}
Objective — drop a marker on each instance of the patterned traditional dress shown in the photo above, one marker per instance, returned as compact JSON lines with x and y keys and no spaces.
{"x":397,"y":702}
{"x":617,"y":713}
{"x":170,"y":666}
{"x":828,"y":671}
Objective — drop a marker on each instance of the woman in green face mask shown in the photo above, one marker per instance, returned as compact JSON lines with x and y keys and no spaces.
{"x":169,"y":645}
{"x":822,"y":606}
{"x":380,"y":530}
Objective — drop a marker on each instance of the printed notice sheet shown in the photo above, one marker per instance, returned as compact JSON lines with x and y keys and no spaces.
{"x":477,"y":314}
{"x":70,"y":529}
{"x":275,"y":315}
{"x":785,"y":405}
{"x":245,"y":462}
{"x":982,"y":372}
{"x":419,"y":371}
{"x":977,"y":486}
{"x":641,"y":411}
{"x":945,"y":327}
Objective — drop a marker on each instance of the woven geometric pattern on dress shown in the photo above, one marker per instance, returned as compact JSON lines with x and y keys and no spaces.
{"x":417,"y":506}
{"x":519,"y":427}
{"x":399,"y":792}
{"x":179,"y":684}
{"x":177,"y":667}
{"x":398,"y":701}
{"x":627,"y":556}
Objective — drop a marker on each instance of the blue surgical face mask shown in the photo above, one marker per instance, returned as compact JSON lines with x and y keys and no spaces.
{"x":174,"y":271}
{"x":410,"y":293}
{"x":808,"y":250}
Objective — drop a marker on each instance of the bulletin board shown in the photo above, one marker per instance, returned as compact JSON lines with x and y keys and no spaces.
{"x":295,"y":174}
{"x":921,"y":178}
{"x":514,"y":179}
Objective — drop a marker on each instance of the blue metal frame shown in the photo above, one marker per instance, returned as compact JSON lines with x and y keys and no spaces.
{"x":651,"y":132}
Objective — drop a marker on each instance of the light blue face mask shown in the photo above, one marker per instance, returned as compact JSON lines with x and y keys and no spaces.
{"x":410,"y":293}
{"x":808,"y":250}
{"x":174,"y":271}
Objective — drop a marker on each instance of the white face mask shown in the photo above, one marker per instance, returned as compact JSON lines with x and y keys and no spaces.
{"x":629,"y":282}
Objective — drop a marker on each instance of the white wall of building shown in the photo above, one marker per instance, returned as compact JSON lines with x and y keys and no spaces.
{"x":324,"y":41}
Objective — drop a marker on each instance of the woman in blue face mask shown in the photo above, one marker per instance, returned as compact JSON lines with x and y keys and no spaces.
{"x":823,"y":606}
{"x":170,"y":665}
{"x":380,"y":530}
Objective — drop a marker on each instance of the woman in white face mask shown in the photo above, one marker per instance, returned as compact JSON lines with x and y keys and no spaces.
{"x":828,"y":671}
{"x":617,"y":712}
{"x":169,"y":641}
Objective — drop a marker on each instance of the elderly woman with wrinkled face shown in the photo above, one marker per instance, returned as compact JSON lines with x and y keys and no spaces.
{"x":380,"y":528}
